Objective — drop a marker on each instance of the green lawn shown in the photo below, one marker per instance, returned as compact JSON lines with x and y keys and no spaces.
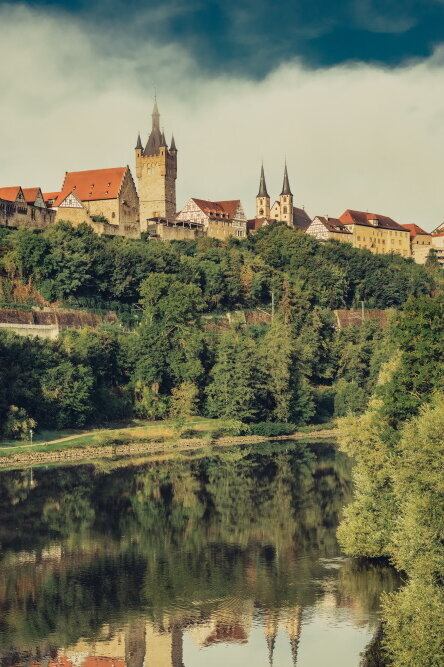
{"x":136,"y":430}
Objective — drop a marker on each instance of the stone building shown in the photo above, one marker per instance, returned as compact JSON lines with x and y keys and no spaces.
{"x":219,"y":219}
{"x":24,"y":208}
{"x":324,"y":228}
{"x":420,"y":243}
{"x":104,"y":198}
{"x":156,"y":171}
{"x":377,"y":233}
{"x":283,"y":209}
{"x":174,"y":230}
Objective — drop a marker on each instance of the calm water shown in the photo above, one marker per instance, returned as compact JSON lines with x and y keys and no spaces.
{"x":223,"y":561}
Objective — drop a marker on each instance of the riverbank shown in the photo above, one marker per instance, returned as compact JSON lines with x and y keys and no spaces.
{"x":63,"y":450}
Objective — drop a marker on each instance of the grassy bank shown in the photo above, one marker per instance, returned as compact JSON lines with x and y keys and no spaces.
{"x":160,"y":438}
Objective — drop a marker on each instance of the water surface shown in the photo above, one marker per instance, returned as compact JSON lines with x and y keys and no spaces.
{"x":229,"y":560}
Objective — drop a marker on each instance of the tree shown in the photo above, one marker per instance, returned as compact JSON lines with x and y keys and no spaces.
{"x":235,"y":384}
{"x":18,"y":424}
{"x":183,"y":403}
{"x":67,"y":389}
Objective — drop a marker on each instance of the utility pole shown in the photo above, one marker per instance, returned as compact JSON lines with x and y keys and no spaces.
{"x":272,"y":305}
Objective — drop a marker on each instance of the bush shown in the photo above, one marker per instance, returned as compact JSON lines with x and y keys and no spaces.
{"x":18,"y":424}
{"x":235,"y":427}
{"x":350,"y":398}
{"x":272,"y":429}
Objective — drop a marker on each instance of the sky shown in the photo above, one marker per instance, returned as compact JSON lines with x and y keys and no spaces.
{"x":349,"y":92}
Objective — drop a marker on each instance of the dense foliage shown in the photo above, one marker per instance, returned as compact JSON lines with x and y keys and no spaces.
{"x":398,"y":447}
{"x":78,"y":266}
{"x":298,"y":368}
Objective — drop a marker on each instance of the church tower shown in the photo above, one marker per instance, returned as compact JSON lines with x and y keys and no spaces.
{"x":262,"y":199}
{"x":156,"y":171}
{"x":286,"y":201}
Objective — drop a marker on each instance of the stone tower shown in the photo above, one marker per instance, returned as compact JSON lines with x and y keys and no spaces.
{"x":286,"y":201}
{"x":156,"y":171}
{"x":262,"y":199}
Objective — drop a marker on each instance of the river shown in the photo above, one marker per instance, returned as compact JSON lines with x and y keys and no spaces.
{"x":228,"y":560}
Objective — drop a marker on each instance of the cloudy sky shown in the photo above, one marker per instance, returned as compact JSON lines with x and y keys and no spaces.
{"x":350,"y":92}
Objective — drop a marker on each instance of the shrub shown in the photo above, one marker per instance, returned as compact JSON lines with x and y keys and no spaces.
{"x":235,"y":427}
{"x":18,"y":424}
{"x":270,"y":429}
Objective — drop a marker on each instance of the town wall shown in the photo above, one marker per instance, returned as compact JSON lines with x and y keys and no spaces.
{"x":19,"y":214}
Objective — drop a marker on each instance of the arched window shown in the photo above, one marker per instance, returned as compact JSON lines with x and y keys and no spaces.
{"x":261,"y":212}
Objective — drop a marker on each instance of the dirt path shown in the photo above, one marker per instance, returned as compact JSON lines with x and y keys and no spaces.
{"x":147,"y":447}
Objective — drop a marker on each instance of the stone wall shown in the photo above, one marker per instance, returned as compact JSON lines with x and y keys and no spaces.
{"x":18,"y":214}
{"x":48,"y":323}
{"x":175,"y":232}
{"x":355,"y":317}
{"x":220,"y":229}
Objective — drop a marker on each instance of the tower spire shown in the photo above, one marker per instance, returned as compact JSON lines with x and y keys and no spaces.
{"x":286,"y":184}
{"x":262,"y":185}
{"x":139,"y":143}
{"x":155,"y":139}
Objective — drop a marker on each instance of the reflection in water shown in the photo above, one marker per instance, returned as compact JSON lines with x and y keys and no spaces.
{"x":227,"y":560}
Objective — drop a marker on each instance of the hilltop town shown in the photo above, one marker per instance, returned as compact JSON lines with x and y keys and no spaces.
{"x":113,"y":203}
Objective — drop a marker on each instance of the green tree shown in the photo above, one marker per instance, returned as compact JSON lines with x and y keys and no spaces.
{"x":67,"y":388}
{"x":183,"y":403}
{"x":236,"y":382}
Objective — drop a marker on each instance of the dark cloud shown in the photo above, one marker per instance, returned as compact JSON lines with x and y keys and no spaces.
{"x":252,"y":37}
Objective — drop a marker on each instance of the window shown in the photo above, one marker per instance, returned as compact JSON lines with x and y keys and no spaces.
{"x":113,"y":215}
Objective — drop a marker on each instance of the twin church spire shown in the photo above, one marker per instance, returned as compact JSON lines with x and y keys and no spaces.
{"x":282,"y":209}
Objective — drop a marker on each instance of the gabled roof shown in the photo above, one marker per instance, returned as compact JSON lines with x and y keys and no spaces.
{"x":333,"y":224}
{"x":10,"y":194}
{"x":256,"y":223}
{"x":415,"y":230}
{"x":93,"y":185}
{"x":50,"y":196}
{"x":350,"y":217}
{"x":31,"y":194}
{"x":301,"y":219}
{"x":223,"y":208}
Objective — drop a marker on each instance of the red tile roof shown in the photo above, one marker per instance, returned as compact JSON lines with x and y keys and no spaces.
{"x":225,"y":209}
{"x":256,"y":223}
{"x":415,"y":230}
{"x":10,"y":194}
{"x":333,"y":224}
{"x":31,"y":194}
{"x":350,"y":217}
{"x":50,"y":196}
{"x":93,"y":185}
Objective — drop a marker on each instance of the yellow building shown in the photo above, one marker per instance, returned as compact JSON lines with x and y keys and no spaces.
{"x":420,"y":243}
{"x":324,"y":228}
{"x":156,"y":171}
{"x":104,"y":198}
{"x":377,"y":233}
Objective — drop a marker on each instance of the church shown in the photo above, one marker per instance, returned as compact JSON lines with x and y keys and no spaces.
{"x":283,"y":209}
